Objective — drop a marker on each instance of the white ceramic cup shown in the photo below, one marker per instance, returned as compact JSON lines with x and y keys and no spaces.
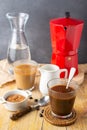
{"x":48,"y":72}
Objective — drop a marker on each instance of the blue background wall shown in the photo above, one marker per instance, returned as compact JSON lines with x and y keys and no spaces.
{"x":37,"y":28}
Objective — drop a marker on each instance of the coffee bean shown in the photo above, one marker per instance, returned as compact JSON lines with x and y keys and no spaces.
{"x":31,"y":97}
{"x":36,"y":100}
{"x":42,"y":111}
{"x":41,"y":115}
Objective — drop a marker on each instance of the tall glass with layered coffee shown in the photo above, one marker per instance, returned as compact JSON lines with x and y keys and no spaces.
{"x":61,"y":98}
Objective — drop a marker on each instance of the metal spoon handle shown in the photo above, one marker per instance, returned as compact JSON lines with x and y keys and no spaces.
{"x":72,"y":72}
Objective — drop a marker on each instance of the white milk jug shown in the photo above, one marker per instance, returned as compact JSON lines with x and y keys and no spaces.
{"x":48,"y":72}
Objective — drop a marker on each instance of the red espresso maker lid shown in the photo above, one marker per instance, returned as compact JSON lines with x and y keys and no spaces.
{"x":65,"y":33}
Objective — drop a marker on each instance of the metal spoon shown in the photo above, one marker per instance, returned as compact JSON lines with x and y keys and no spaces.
{"x":71,"y":74}
{"x":42,"y":102}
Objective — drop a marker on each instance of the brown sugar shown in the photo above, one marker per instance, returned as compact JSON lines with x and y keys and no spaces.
{"x":15,"y":98}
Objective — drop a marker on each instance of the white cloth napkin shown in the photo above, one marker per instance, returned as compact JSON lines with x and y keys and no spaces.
{"x":5,"y":76}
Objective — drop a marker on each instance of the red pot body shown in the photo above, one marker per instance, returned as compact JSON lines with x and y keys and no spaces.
{"x":65,"y":39}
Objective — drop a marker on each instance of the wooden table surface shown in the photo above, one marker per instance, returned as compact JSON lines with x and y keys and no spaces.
{"x":32,"y":120}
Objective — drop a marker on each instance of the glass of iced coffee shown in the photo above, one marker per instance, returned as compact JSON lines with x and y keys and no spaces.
{"x":25,"y":72}
{"x":62,"y":99}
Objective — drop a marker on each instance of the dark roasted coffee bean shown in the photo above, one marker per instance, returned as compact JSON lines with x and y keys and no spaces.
{"x":41,"y":115}
{"x":42,"y":111}
{"x":36,"y":100}
{"x":30,"y":97}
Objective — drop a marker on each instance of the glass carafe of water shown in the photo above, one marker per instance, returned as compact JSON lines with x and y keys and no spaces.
{"x":18,"y":48}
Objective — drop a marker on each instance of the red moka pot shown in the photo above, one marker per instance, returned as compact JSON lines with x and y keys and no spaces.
{"x":65,"y":38}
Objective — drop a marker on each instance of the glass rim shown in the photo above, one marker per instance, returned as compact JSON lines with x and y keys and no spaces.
{"x":33,"y":63}
{"x":64,"y":79}
{"x":19,"y":62}
{"x":15,"y":14}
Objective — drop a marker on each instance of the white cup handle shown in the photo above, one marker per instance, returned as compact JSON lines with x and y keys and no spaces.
{"x":64,"y":70}
{"x":2,"y":101}
{"x":29,"y":93}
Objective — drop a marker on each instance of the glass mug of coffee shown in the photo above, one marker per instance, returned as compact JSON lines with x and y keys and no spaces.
{"x":25,"y":72}
{"x":62,"y":99}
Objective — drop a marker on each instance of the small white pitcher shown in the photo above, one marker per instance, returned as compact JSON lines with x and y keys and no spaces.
{"x":48,"y":72}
